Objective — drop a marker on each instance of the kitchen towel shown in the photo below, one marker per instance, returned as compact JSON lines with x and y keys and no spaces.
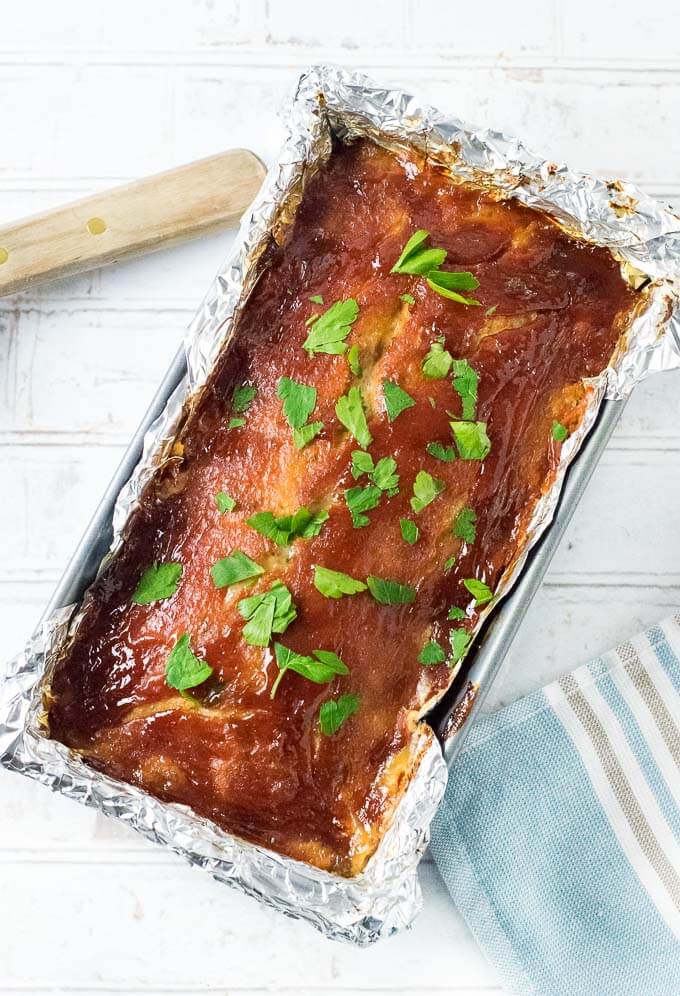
{"x":559,"y":834}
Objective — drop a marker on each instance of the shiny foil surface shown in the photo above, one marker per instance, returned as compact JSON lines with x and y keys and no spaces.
{"x":641,"y":234}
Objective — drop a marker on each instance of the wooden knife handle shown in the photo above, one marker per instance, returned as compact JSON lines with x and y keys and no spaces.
{"x":130,"y":220}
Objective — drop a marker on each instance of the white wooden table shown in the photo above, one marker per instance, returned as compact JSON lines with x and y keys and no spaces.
{"x":93,"y":93}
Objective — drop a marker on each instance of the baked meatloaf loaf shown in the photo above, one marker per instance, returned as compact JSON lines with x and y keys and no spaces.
{"x":343,"y":498}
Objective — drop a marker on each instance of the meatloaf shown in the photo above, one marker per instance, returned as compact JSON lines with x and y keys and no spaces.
{"x":302,"y":577}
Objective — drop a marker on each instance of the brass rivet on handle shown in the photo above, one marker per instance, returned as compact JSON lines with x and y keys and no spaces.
{"x":96,"y":226}
{"x":4,"y":255}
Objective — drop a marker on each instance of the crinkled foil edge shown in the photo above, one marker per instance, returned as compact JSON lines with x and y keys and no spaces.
{"x":641,"y":233}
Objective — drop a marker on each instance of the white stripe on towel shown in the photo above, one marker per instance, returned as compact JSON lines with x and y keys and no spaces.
{"x":626,"y":678}
{"x":620,"y":795}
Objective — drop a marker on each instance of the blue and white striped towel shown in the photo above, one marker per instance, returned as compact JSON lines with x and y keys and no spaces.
{"x":559,"y":835}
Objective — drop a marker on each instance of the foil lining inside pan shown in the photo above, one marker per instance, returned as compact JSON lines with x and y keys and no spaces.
{"x":643,"y":235}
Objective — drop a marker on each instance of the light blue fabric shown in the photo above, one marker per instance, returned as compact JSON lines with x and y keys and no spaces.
{"x":538,"y":860}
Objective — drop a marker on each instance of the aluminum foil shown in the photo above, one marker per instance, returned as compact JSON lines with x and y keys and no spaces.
{"x":640,"y":232}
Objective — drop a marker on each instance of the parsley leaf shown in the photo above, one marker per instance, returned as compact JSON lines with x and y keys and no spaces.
{"x":157,"y":582}
{"x":465,"y":525}
{"x":384,"y":476}
{"x":329,"y":331}
{"x":236,"y":423}
{"x":334,"y":712}
{"x":321,"y":670}
{"x":362,"y":463}
{"x":286,"y":528}
{"x":440,"y":452}
{"x":438,"y":361}
{"x":350,"y":411}
{"x":242,"y":398}
{"x":449,"y":563}
{"x":417,"y":259}
{"x":460,"y":641}
{"x":396,"y":400}
{"x":425,"y":490}
{"x":382,"y":473}
{"x":234,"y":568}
{"x":299,"y":401}
{"x":456,"y":613}
{"x":465,"y":381}
{"x":354,"y":360}
{"x":183,"y":669}
{"x":361,"y":500}
{"x":303,"y":436}
{"x":335,"y":584}
{"x":431,"y":653}
{"x":316,"y":299}
{"x":472,"y":440}
{"x":407,"y":298}
{"x":559,"y":432}
{"x":390,"y":592}
{"x":224,"y":502}
{"x":479,"y":591}
{"x":409,"y":531}
{"x":269,"y":612}
{"x":448,"y":284}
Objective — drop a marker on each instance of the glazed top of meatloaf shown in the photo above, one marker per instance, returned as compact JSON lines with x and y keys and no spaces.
{"x":417,"y":418}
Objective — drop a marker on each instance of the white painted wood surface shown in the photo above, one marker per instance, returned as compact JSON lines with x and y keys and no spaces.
{"x":95,"y":93}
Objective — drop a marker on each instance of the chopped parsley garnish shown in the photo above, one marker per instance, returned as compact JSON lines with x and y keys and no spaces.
{"x":479,"y":591}
{"x":465,"y":525}
{"x":362,"y":463}
{"x":236,"y":423}
{"x":334,"y":712}
{"x":471,"y":439}
{"x":360,"y":500}
{"x":559,"y":432}
{"x":286,"y":528}
{"x":234,"y":568}
{"x":354,"y":361}
{"x":456,"y":613}
{"x":425,"y":490}
{"x":431,"y":654}
{"x":335,"y":584}
{"x":407,"y":298}
{"x":438,"y":361}
{"x":303,"y":436}
{"x":460,"y":641}
{"x":465,"y":381}
{"x":329,"y":331}
{"x":449,"y":284}
{"x":242,"y":398}
{"x":350,"y":411}
{"x":384,"y":476}
{"x":269,"y":612}
{"x":390,"y":592}
{"x":321,"y":670}
{"x":224,"y":502}
{"x":441,"y":452}
{"x":409,"y":531}
{"x":491,"y":311}
{"x":157,"y":582}
{"x":299,"y":401}
{"x":316,"y":299}
{"x":396,"y":400}
{"x":449,"y":563}
{"x":418,"y":259}
{"x":183,"y":669}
